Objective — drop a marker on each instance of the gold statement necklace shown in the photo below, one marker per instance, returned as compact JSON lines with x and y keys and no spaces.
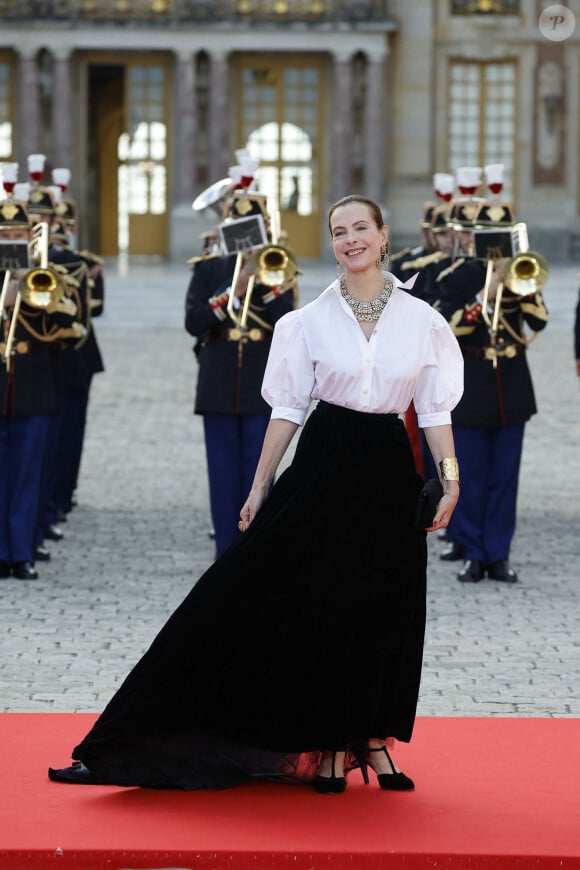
{"x":367,"y":311}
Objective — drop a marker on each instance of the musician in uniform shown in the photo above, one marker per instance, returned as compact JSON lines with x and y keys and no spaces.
{"x":28,"y":397}
{"x":433,"y":257}
{"x":80,"y":361}
{"x":232,"y":361}
{"x":425,"y":247}
{"x":498,"y":400}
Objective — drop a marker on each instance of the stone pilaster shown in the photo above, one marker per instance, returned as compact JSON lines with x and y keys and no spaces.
{"x":61,"y":111}
{"x":220,"y":111}
{"x":185,"y":131}
{"x":27,"y":134}
{"x":340,"y":167}
{"x":374,"y":132}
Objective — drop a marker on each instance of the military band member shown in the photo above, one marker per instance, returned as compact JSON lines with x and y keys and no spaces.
{"x":28,"y":398}
{"x":398,"y":260}
{"x":232,"y":361}
{"x":498,"y":400}
{"x":80,"y":361}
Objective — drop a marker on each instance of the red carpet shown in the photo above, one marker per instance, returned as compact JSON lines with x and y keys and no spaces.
{"x":491,"y":793}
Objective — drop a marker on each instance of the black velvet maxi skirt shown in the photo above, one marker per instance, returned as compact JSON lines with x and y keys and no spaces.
{"x":306,"y":635}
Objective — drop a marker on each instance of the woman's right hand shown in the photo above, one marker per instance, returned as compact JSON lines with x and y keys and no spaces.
{"x":254,"y":502}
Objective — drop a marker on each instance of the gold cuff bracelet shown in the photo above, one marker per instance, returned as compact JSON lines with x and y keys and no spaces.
{"x":449,"y":468}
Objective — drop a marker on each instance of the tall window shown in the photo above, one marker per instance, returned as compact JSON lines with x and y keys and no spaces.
{"x":482,"y":120}
{"x":280,"y":127}
{"x":143,"y":151}
{"x":6,"y":143}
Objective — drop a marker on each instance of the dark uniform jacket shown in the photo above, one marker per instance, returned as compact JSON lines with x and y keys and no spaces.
{"x":427,"y":265}
{"x":230,"y":371}
{"x":503,"y":394}
{"x":30,"y":388}
{"x":80,"y":360}
{"x":399,"y":258}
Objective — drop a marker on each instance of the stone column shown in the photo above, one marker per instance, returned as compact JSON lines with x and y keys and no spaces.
{"x":340,"y":165}
{"x":374,"y":132}
{"x":27,"y":101}
{"x":220,"y":111}
{"x":62,"y":145}
{"x":185,"y":131}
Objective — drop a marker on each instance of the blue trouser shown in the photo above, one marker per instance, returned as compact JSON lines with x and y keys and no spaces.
{"x":22,"y":449}
{"x":484,"y":520}
{"x":233,"y":444}
{"x":70,"y":446}
{"x":47,"y":515}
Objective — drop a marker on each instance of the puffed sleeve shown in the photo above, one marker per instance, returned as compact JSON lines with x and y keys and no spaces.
{"x":440,"y":384}
{"x":289,"y":376}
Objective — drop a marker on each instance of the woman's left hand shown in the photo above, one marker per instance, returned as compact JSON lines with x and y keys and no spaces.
{"x":444,"y":511}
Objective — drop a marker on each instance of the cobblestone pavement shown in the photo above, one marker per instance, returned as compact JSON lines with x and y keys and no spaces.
{"x":138,"y":538}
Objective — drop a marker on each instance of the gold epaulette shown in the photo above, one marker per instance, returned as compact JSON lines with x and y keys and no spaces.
{"x":193,"y":260}
{"x":450,"y":268}
{"x":421,"y":262}
{"x":399,"y":254}
{"x":94,"y":258}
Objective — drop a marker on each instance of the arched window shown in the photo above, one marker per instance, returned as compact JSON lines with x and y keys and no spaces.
{"x":285,"y":176}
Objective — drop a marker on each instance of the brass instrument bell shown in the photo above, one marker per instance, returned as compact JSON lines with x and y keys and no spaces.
{"x":274,"y":265}
{"x":526,"y":273}
{"x":40,"y":287}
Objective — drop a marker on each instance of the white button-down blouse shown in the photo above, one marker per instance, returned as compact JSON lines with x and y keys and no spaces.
{"x":320,"y":352}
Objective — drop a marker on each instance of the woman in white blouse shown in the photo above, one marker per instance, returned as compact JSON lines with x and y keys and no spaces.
{"x":297,"y":655}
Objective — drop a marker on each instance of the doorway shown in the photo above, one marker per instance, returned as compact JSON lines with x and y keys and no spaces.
{"x":128,"y":149}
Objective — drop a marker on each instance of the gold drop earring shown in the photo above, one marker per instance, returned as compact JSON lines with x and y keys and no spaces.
{"x":383,"y":260}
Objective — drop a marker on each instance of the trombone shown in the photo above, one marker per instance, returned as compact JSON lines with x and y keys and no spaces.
{"x":526,"y":273}
{"x":39,"y":287}
{"x":272,"y":265}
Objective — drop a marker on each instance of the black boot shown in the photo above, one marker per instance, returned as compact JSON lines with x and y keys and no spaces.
{"x":472,"y":571}
{"x":24,"y":571}
{"x":452,"y":552}
{"x":502,"y":570}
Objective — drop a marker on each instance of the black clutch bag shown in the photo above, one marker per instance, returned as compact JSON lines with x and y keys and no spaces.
{"x":429,"y":498}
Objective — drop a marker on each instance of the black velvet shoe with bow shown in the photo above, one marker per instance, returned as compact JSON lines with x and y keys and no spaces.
{"x":77,"y":773}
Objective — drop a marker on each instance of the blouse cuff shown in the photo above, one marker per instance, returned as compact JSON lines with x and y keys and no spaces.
{"x":295,"y":415}
{"x":437,"y":418}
